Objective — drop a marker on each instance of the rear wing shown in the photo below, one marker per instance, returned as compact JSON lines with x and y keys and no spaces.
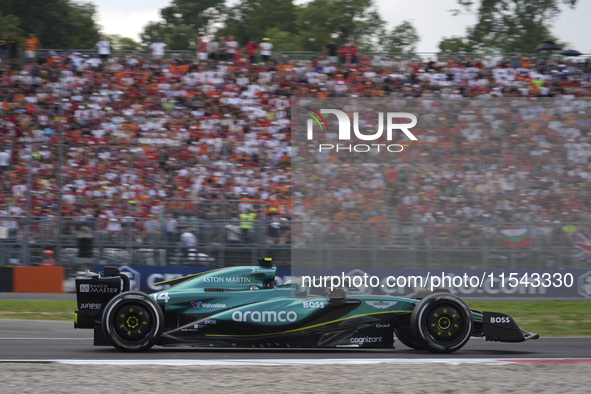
{"x":95,"y":292}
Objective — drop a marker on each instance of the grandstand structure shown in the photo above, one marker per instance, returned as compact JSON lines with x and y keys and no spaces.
{"x":180,"y":163}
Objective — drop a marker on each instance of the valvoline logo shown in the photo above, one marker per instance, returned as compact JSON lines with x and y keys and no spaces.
{"x":197,"y":304}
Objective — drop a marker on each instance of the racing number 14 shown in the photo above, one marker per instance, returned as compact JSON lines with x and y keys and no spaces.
{"x":161,"y":297}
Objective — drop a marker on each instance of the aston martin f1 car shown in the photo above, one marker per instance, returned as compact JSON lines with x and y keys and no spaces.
{"x":241,"y":307}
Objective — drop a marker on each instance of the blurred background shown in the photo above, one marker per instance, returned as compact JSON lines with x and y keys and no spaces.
{"x":131,"y":159}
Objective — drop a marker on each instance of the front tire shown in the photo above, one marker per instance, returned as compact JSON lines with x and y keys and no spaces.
{"x":441,"y":323}
{"x":133,"y":321}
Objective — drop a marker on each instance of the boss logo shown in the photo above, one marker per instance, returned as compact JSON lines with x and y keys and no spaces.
{"x":313,"y":304}
{"x":504,"y":319}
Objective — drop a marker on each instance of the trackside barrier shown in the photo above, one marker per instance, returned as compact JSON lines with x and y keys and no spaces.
{"x":38,"y":279}
{"x":5,"y":279}
{"x":391,"y":244}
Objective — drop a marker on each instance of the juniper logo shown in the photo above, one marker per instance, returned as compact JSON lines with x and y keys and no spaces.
{"x":344,"y":131}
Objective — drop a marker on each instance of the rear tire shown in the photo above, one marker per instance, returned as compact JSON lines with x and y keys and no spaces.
{"x":441,"y":323}
{"x":133,"y":321}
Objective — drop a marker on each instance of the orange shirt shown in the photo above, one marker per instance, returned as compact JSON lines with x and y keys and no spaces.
{"x":31,"y":44}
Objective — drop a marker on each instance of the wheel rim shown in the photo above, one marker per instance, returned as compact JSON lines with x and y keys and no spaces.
{"x":132,"y":322}
{"x":444,"y":323}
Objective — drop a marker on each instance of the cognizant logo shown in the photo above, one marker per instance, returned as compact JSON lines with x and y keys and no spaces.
{"x":363,"y":340}
{"x":265,"y":316}
{"x":344,"y":133}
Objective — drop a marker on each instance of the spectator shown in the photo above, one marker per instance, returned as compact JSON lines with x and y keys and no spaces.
{"x":103,"y":48}
{"x":188,"y":239}
{"x":345,"y":53}
{"x":12,"y":46}
{"x":332,"y":49}
{"x":233,"y":232}
{"x":114,"y":229}
{"x":266,"y":49}
{"x":48,"y":259}
{"x":48,"y":227}
{"x":202,"y":46}
{"x":4,"y":161}
{"x":285,"y":232}
{"x":152,"y":230}
{"x":172,"y":229}
{"x":231,"y":49}
{"x":31,"y":46}
{"x":222,"y":47}
{"x":273,"y":229}
{"x":247,"y":221}
{"x":354,"y":51}
{"x":251,"y":50}
{"x":4,"y":48}
{"x":159,"y":49}
{"x":212,"y":49}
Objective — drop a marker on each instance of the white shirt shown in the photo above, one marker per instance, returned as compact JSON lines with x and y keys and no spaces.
{"x":94,"y":62}
{"x":4,"y":159}
{"x":231,"y":46}
{"x":266,"y":48}
{"x":233,"y":232}
{"x":104,"y":47}
{"x":158,"y":48}
{"x":212,"y":47}
{"x":188,"y":239}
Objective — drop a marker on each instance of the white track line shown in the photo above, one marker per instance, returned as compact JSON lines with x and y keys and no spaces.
{"x":284,"y":362}
{"x":271,"y":362}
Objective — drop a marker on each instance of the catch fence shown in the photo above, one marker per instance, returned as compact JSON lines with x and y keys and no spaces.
{"x":226,"y":239}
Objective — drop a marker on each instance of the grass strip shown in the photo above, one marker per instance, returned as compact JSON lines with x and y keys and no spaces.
{"x":37,"y":310}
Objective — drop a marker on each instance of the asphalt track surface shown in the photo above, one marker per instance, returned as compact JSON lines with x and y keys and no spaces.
{"x":52,"y":340}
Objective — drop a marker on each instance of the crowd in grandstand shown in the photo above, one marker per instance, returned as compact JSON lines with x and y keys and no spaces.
{"x":137,"y":134}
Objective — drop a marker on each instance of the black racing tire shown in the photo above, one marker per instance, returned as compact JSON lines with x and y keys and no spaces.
{"x":407,"y":339}
{"x":441,"y":323}
{"x":132,"y":321}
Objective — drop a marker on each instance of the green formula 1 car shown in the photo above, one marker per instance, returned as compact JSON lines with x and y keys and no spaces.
{"x":241,"y":307}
